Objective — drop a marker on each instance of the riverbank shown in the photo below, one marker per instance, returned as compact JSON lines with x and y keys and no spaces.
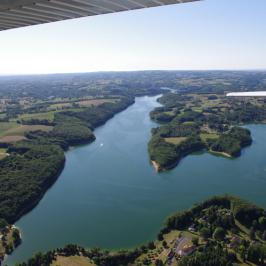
{"x":193,"y":231}
{"x":188,"y":126}
{"x":223,"y":154}
{"x":99,"y":185}
{"x":10,"y":239}
{"x":71,"y":150}
{"x":36,"y":149}
{"x":156,"y":166}
{"x":159,"y":168}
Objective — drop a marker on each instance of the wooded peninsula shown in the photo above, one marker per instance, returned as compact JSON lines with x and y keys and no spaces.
{"x":36,"y":130}
{"x":192,"y":122}
{"x":42,"y":116}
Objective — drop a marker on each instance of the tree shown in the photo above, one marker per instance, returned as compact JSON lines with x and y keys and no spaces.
{"x":165,"y":244}
{"x":160,"y":236}
{"x":219,"y":233}
{"x":232,"y":256}
{"x":16,"y":237}
{"x":158,"y":262}
{"x":9,"y":248}
{"x":151,"y":245}
{"x":242,"y":252}
{"x":255,"y":224}
{"x":252,"y":233}
{"x":3,"y":223}
{"x":264,"y":236}
{"x":195,"y":241}
{"x":254,"y":253}
{"x":146,"y":261}
{"x":262,"y":222}
{"x":205,"y":232}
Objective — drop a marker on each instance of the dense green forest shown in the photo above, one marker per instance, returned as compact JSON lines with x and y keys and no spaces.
{"x":45,"y":123}
{"x":106,"y":83}
{"x":226,"y":231}
{"x":191,"y":122}
{"x":195,"y":117}
{"x":232,"y":142}
{"x":34,"y":164}
{"x":25,"y":175}
{"x":168,"y":154}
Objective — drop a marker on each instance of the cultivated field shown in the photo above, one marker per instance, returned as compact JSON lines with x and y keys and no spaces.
{"x":96,"y":102}
{"x":41,"y":116}
{"x":3,"y":154}
{"x":19,"y":130}
{"x":12,"y":132}
{"x":11,"y":139}
{"x":5,"y":126}
{"x":206,"y":136}
{"x":72,"y":261}
{"x":80,"y":103}
{"x":175,"y":140}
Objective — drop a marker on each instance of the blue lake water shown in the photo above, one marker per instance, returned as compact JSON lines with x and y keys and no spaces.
{"x":110,"y":196}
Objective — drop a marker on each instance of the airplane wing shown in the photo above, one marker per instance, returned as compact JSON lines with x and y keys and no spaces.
{"x":247,"y":94}
{"x":21,"y":13}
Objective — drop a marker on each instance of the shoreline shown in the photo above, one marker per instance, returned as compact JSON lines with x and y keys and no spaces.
{"x":223,"y":154}
{"x":31,"y":205}
{"x":156,"y":166}
{"x":176,"y":227}
{"x":159,"y":168}
{"x":61,"y":168}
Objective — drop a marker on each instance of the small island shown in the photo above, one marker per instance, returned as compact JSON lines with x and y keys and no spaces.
{"x":223,"y":230}
{"x":196,"y":122}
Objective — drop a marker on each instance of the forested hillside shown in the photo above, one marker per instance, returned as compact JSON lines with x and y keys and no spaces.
{"x":193,"y":122}
{"x":215,"y":232}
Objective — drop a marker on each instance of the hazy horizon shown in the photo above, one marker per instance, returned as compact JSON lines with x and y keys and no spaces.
{"x":140,"y":70}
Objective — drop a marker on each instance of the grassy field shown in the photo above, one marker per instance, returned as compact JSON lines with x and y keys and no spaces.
{"x":56,"y":106}
{"x":81,"y":103}
{"x":176,"y":140}
{"x":11,"y":139}
{"x":197,"y":109}
{"x":2,"y":156}
{"x":169,"y":113}
{"x":189,"y":123}
{"x":205,"y":136}
{"x":72,"y":261}
{"x":47,"y":115}
{"x":95,"y":102}
{"x":3,"y":153}
{"x":5,"y":126}
{"x":12,"y":132}
{"x":19,"y":130}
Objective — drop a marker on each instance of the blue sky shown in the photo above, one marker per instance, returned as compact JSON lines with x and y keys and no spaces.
{"x":210,"y":34}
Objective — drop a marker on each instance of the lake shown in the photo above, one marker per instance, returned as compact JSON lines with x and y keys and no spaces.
{"x":110,"y":196}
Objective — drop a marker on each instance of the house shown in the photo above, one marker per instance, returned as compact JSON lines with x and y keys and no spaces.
{"x":192,"y":228}
{"x":185,"y":251}
{"x":170,"y":255}
{"x":235,"y":242}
